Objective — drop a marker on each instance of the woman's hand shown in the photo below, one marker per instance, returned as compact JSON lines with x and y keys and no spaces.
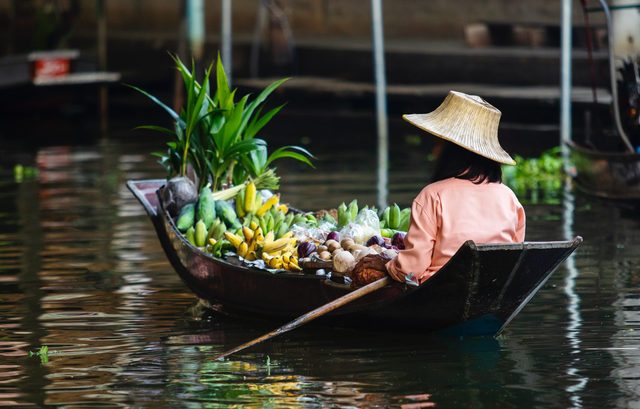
{"x":374,"y":261}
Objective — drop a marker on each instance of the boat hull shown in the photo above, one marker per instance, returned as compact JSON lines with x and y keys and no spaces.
{"x":607,"y":175}
{"x":477,"y":292}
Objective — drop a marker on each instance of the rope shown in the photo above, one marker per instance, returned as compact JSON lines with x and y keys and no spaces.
{"x":592,"y":68}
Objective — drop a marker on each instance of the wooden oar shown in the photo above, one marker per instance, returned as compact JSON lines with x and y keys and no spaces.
{"x":313,"y":314}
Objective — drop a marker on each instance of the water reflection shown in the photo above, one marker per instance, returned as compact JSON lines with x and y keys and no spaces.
{"x":81,"y":271}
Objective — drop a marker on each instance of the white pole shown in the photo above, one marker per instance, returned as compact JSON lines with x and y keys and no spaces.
{"x":565,"y":80}
{"x":195,"y":16}
{"x":381,"y":103}
{"x":226,"y":38}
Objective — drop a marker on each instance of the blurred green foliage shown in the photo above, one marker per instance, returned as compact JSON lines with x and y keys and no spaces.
{"x":536,"y":180}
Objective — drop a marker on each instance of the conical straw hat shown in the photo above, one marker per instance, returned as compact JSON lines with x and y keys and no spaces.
{"x":468,"y":121}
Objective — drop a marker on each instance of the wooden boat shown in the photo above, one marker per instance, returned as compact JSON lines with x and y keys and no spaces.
{"x":607,"y":175}
{"x":608,"y":167}
{"x":478,"y":292}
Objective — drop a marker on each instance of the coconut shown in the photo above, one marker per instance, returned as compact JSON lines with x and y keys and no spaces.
{"x":179,"y":192}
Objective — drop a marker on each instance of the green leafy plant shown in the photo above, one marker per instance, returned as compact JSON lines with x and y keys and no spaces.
{"x":43,"y":354}
{"x":532,"y":176}
{"x":216,"y":136}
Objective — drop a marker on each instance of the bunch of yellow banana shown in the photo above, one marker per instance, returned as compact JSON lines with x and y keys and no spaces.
{"x":249,"y":202}
{"x":287,"y":261}
{"x":255,"y":245}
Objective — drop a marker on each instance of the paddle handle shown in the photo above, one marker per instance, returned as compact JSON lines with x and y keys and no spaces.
{"x":313,"y":314}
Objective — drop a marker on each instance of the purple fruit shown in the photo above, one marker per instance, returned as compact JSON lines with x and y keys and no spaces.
{"x":306,"y":248}
{"x":398,"y":240}
{"x":375,"y":240}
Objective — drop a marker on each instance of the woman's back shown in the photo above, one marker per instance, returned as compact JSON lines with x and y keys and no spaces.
{"x":448,"y":213}
{"x":484,"y":213}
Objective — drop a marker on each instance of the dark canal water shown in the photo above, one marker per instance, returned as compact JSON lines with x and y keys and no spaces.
{"x":82,"y":272}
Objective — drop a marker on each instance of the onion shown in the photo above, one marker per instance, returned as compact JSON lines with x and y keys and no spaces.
{"x":375,"y":240}
{"x":398,"y":240}
{"x":334,"y":235}
{"x":306,"y":248}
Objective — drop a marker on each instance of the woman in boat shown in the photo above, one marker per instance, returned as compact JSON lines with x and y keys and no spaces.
{"x":466,"y":199}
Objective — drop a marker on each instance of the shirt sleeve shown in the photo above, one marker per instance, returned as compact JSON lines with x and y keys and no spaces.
{"x":521,"y":224}
{"x":419,"y":242}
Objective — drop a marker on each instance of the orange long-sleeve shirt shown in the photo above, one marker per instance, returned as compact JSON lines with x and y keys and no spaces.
{"x":448,"y":213}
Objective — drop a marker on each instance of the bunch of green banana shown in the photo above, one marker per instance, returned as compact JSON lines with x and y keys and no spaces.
{"x":394,"y":219}
{"x":346,"y":214}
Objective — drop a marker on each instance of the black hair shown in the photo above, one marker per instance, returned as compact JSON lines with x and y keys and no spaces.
{"x":460,"y":163}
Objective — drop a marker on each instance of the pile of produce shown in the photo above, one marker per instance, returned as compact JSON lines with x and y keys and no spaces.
{"x":221,"y":185}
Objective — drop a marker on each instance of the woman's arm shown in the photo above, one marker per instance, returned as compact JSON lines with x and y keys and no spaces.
{"x":419,"y":242}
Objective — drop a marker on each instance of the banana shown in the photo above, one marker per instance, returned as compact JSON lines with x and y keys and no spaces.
{"x":263,"y":224}
{"x":240,"y":203}
{"x":234,"y":239}
{"x":269,"y":223}
{"x":341,"y":209}
{"x":286,"y":256}
{"x":385,"y":215}
{"x":219,"y":231}
{"x":278,"y":217}
{"x":353,"y":209}
{"x":293,"y":267}
{"x":190,"y":235}
{"x":249,"y":198}
{"x":394,"y":216}
{"x":288,"y":219}
{"x":253,"y":225}
{"x":259,"y":237}
{"x":273,"y":200}
{"x":251,"y":256}
{"x":248,"y":233}
{"x":269,"y":237}
{"x":258,"y":202}
{"x":282,"y":230}
{"x":212,"y":228}
{"x":283,"y":208}
{"x":243,"y":249}
{"x":277,"y":245}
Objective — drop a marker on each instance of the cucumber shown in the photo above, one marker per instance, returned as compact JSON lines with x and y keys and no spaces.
{"x":187,"y":217}
{"x":200,"y":234}
{"x":225,"y":212}
{"x":206,"y":207}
